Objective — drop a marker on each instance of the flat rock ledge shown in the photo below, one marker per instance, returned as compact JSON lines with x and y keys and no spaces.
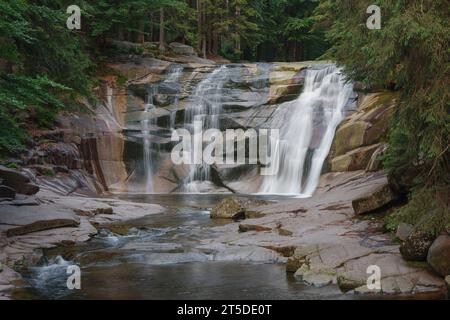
{"x":27,"y":227}
{"x":324,"y":241}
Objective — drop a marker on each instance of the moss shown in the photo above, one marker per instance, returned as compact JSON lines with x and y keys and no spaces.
{"x":422,"y":211}
{"x":12,"y":165}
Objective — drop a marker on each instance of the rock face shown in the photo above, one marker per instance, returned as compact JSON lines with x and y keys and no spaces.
{"x":358,"y":142}
{"x":17,"y":181}
{"x":380,"y":198}
{"x":439,"y":255}
{"x":416,"y":246}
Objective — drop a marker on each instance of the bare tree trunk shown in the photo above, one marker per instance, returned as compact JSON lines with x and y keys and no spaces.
{"x":161,"y":31}
{"x":199,"y":25}
{"x":140,"y":35}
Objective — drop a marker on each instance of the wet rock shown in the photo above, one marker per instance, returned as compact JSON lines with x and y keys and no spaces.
{"x":285,"y":251}
{"x":404,"y":230}
{"x":298,"y":258}
{"x":348,"y":281}
{"x":7,"y":193}
{"x":377,"y":200}
{"x":317,"y":276}
{"x":252,"y":227}
{"x":439,"y":255}
{"x":182,"y":49}
{"x":18,"y":181}
{"x":283,"y":93}
{"x":293,"y":264}
{"x":416,"y":246}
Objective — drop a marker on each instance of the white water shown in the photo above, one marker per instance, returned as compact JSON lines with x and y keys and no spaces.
{"x":206,"y":108}
{"x":173,"y":75}
{"x":311,"y":123}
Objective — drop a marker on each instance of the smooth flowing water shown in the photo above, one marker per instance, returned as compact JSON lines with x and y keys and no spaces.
{"x":306,"y":138}
{"x":203,"y":112}
{"x":148,"y":121}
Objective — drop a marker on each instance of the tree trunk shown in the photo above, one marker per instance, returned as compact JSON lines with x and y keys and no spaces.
{"x":140,"y":35}
{"x":199,"y":25}
{"x":161,"y":31}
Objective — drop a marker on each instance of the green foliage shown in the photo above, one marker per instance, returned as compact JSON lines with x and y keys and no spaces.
{"x":410,"y":54}
{"x":424,"y":211}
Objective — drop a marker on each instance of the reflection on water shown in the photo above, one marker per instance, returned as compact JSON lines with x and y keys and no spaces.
{"x":156,"y":257}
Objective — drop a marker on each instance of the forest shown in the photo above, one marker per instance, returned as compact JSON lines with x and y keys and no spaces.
{"x":47,"y":69}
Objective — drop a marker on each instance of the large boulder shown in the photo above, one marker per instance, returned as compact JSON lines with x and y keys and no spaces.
{"x":377,"y":200}
{"x":439,"y":255}
{"x":416,"y":246}
{"x":231,"y":208}
{"x":234,"y":208}
{"x":17,"y":181}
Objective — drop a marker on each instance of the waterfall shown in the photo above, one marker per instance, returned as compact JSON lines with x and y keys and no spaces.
{"x":149,"y":121}
{"x":306,"y":138}
{"x":205,"y":108}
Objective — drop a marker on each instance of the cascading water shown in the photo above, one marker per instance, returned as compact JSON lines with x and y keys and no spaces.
{"x":306,"y":139}
{"x":148,"y":121}
{"x":205,"y":109}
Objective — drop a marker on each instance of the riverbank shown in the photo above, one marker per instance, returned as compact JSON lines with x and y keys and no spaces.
{"x":321,"y":241}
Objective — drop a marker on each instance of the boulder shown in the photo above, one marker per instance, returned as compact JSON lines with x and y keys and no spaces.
{"x":17,"y":181}
{"x":377,"y":200}
{"x":234,"y":208}
{"x":231,"y":208}
{"x":348,"y":281}
{"x":404,"y":230}
{"x":415,"y":247}
{"x":7,"y":193}
{"x":447,"y":281}
{"x":439,"y":255}
{"x":182,"y":49}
